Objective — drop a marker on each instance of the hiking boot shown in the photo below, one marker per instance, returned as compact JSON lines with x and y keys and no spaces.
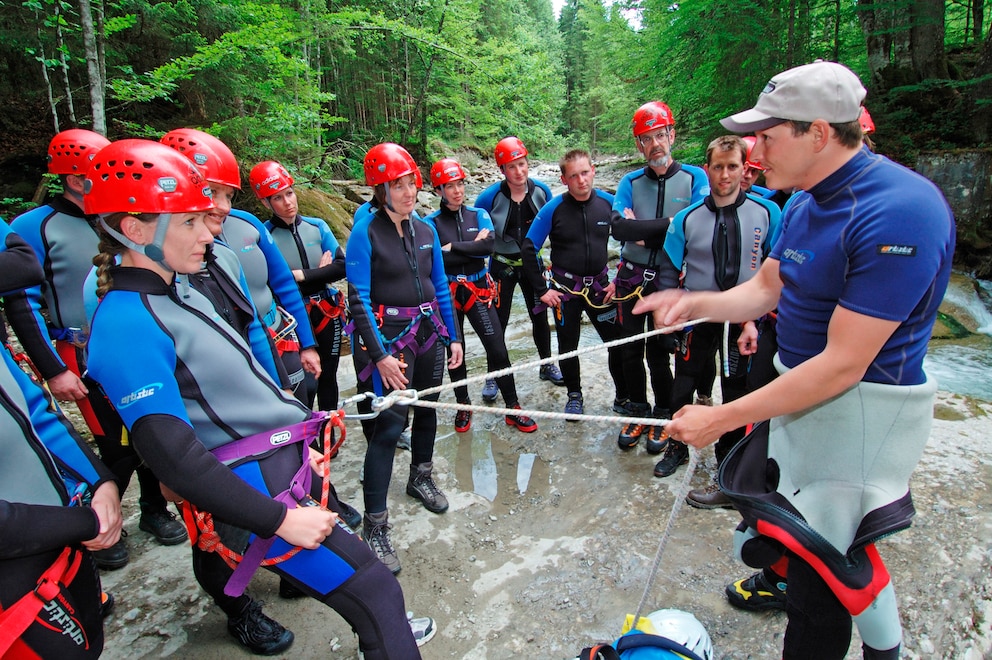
{"x":523,"y":423}
{"x":288,"y":591}
{"x":423,"y":628}
{"x":490,"y":390}
{"x":574,"y":405}
{"x":350,"y":515}
{"x":421,"y":485}
{"x":629,"y":435}
{"x":623,"y":407}
{"x":757,"y":593}
{"x":703,"y":400}
{"x":631,"y":431}
{"x":375,"y":529}
{"x":655,"y":439}
{"x":162,"y":524}
{"x":106,"y":604}
{"x":710,"y":497}
{"x":552,"y":373}
{"x":114,"y":557}
{"x":257,"y":632}
{"x":404,"y":441}
{"x":675,"y":455}
{"x":463,"y":420}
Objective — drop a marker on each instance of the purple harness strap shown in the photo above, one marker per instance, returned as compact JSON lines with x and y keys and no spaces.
{"x":408,"y":337}
{"x":640,"y":274}
{"x":299,"y":487}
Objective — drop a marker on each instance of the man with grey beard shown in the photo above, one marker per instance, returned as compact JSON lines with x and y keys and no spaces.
{"x":643,"y":207}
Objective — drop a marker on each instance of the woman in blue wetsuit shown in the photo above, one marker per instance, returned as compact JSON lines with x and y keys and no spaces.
{"x":316,"y":261}
{"x":57,"y":504}
{"x":399,"y":300}
{"x":270,"y":281}
{"x":466,"y":235}
{"x":203,"y":411}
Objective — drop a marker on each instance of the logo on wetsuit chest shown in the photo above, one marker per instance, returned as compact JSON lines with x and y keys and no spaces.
{"x":280,"y":438}
{"x":426,"y":246}
{"x":138,"y":394}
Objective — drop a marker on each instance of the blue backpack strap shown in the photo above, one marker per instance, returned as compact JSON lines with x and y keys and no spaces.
{"x":639,"y":641}
{"x":599,"y":652}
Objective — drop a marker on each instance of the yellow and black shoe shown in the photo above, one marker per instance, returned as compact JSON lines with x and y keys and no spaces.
{"x":757,"y":593}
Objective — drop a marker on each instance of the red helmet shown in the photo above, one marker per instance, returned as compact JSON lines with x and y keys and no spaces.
{"x":387,"y":162}
{"x":750,"y":141}
{"x":445,"y":171}
{"x":71,"y":151}
{"x":867,"y":124}
{"x":141,"y":176}
{"x":268,"y":178}
{"x":209,"y":154}
{"x":509,"y":149}
{"x":650,"y":116}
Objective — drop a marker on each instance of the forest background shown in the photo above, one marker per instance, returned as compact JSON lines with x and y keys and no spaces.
{"x":314,"y":83}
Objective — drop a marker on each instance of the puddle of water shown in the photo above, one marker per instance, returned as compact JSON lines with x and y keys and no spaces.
{"x":525,"y":465}
{"x":483,"y":467}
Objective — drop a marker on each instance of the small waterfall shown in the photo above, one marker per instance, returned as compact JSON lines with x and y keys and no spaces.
{"x":974,"y":304}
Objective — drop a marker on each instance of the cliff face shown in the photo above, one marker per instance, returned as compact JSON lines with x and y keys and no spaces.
{"x":964,"y":177}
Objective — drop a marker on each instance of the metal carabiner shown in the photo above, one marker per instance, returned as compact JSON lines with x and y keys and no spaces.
{"x":358,"y":398}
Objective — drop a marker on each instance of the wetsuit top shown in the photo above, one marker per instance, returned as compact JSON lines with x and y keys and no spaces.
{"x":65,"y":241}
{"x":269,"y":277}
{"x":385,"y":268}
{"x":874,"y":238}
{"x":302,"y":245}
{"x":717,"y":248}
{"x":191,"y":370}
{"x":467,"y":256}
{"x":654,"y":200}
{"x":579,"y":233}
{"x":44,"y":460}
{"x":512,"y":221}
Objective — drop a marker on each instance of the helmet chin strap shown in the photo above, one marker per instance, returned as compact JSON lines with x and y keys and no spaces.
{"x":153,"y":250}
{"x":389,"y":199}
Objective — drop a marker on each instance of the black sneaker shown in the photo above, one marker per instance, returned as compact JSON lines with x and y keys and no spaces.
{"x":757,"y":593}
{"x":350,"y":515}
{"x":257,"y":632}
{"x":574,"y":405}
{"x":288,"y":591}
{"x":375,"y":530}
{"x":622,"y":407}
{"x":675,"y":455}
{"x":463,"y":421}
{"x":114,"y":557}
{"x":162,"y":524}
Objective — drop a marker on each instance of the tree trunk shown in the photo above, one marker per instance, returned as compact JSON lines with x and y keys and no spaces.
{"x":981,"y":93}
{"x":977,"y":18}
{"x":927,"y":39}
{"x":878,"y":39}
{"x":93,"y":69}
{"x":60,"y":43}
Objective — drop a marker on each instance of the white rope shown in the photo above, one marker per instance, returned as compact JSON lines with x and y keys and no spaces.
{"x":680,"y":496}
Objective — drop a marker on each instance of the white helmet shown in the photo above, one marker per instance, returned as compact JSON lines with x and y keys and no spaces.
{"x":683,"y":628}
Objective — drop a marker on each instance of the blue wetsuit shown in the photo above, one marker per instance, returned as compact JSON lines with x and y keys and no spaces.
{"x":45,"y":463}
{"x":389,"y":273}
{"x":654,"y":200}
{"x":302,"y":244}
{"x":511,"y":221}
{"x":579,"y":233}
{"x":65,"y":241}
{"x":199,"y":385}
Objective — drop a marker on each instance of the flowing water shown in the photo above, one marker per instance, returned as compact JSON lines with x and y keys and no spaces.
{"x":963,"y":365}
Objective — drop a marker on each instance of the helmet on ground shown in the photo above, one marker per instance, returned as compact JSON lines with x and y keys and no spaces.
{"x":71,"y":151}
{"x":268,"y":178}
{"x":650,"y":116}
{"x":750,"y":141}
{"x":387,"y":162}
{"x":445,"y":171}
{"x":142,"y":176}
{"x":683,"y":628}
{"x":867,"y":124}
{"x":509,"y":149}
{"x":209,"y":154}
